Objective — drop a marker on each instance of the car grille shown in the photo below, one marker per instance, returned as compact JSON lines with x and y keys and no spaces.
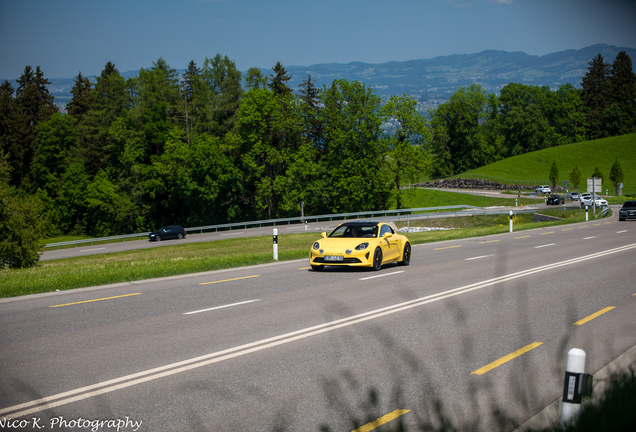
{"x":321,"y":260}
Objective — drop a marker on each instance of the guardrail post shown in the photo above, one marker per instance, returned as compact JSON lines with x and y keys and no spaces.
{"x":585,"y":213}
{"x":275,"y":244}
{"x":577,"y":385}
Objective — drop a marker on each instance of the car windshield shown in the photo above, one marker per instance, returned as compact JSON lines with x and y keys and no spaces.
{"x":629,"y":204}
{"x":355,"y":231}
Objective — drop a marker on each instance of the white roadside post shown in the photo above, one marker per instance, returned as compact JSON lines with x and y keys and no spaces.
{"x":275,"y":244}
{"x":510,"y":217}
{"x":586,"y":213}
{"x":577,"y":384}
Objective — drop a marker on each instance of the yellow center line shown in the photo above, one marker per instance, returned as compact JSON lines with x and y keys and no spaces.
{"x":304,"y":268}
{"x":584,"y":226}
{"x":516,"y":238}
{"x":594,"y":315}
{"x":449,"y":247}
{"x":596,"y":224}
{"x":506,"y":358}
{"x":489,"y":241}
{"x":100,"y":299}
{"x":227,"y":280}
{"x":607,"y":223}
{"x":567,"y":229}
{"x":551,"y":232}
{"x":381,"y":421}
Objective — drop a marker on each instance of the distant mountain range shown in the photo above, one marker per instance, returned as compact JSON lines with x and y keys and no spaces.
{"x":432,"y":81}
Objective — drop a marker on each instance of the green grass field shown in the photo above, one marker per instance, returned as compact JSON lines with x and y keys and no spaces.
{"x":535,"y":166}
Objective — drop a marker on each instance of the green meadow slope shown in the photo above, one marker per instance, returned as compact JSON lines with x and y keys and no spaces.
{"x":535,"y":166}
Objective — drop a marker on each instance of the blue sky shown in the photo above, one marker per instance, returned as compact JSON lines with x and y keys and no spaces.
{"x":65,"y":37}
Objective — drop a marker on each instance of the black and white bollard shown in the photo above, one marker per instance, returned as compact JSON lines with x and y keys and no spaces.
{"x":510,"y":217}
{"x":577,"y":385}
{"x":275,"y":244}
{"x":585,"y":213}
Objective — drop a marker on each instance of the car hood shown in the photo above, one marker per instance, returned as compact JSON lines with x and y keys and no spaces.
{"x":342,"y":244}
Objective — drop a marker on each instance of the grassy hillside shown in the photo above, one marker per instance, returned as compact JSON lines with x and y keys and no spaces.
{"x":535,"y":166}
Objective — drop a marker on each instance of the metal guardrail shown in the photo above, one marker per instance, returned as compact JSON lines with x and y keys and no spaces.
{"x":266,"y":222}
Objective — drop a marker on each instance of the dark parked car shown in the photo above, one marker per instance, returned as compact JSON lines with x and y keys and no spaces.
{"x":167,"y":232}
{"x":628,"y":211}
{"x":555,"y":200}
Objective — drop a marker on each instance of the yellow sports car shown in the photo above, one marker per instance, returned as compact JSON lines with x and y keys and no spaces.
{"x":362,"y":244}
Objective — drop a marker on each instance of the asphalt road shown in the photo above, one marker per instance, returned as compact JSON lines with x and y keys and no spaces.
{"x":476,"y":329}
{"x":317,"y":227}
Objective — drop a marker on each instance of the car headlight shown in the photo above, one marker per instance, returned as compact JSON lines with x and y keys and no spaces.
{"x":362,"y":246}
{"x":316,"y":246}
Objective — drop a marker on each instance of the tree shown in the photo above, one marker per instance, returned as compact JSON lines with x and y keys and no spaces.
{"x":254,"y":78}
{"x":11,"y":130}
{"x":81,"y":102}
{"x":310,"y":97}
{"x":458,"y":142}
{"x":554,"y":174}
{"x":575,"y":176}
{"x":56,"y":140}
{"x":407,"y":141}
{"x":21,"y":225}
{"x":594,"y":95}
{"x":36,"y":105}
{"x":110,"y":100}
{"x":224,"y":93}
{"x":597,"y":173}
{"x":353,"y":152}
{"x":278,"y":81}
{"x":191,"y":78}
{"x":622,"y":91}
{"x":616,"y":174}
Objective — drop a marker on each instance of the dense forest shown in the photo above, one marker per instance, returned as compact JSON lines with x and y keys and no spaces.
{"x":215,"y":145}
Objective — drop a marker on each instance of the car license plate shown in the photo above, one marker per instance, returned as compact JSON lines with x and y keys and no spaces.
{"x":333,"y":258}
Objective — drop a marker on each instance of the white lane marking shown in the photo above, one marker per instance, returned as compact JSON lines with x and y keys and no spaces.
{"x":234,"y":233}
{"x":619,"y":232}
{"x":479,"y":257}
{"x":588,"y":238}
{"x":97,"y":389}
{"x":546,"y":245}
{"x":385,"y":274}
{"x":90,"y":250}
{"x":221,"y":307}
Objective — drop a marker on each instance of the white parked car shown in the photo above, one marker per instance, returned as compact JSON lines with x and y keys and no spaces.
{"x":586,"y":199}
{"x":545,"y":189}
{"x":600,"y":202}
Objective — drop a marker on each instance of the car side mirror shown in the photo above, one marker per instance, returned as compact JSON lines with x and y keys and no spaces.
{"x":324,"y":234}
{"x":387,"y":235}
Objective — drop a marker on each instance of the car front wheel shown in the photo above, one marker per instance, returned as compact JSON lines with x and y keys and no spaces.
{"x":406,"y":255}
{"x":377,"y":259}
{"x":158,"y":238}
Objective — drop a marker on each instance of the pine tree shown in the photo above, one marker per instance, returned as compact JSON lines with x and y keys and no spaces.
{"x":278,"y":82}
{"x":595,"y":95}
{"x":622,"y":91}
{"x":81,"y":102}
{"x":36,"y":105}
{"x":109,"y":101}
{"x":313,"y":129}
{"x":11,"y":128}
{"x":191,"y":78}
{"x":575,"y":177}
